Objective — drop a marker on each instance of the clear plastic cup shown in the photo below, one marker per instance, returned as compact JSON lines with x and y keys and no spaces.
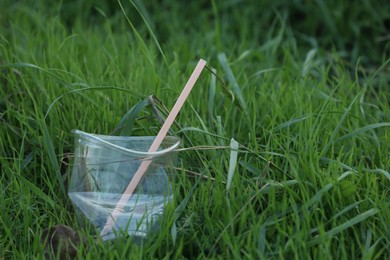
{"x":103,"y":167}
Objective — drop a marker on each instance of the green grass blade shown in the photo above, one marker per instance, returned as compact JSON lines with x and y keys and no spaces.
{"x":51,"y":74}
{"x":179,"y":211}
{"x":291,"y":122}
{"x":340,"y":213}
{"x":210,"y":103}
{"x":126,"y":124}
{"x":232,"y":162}
{"x":31,"y":186}
{"x":380,"y":69}
{"x":220,"y":130}
{"x":249,"y":167}
{"x":307,"y":65}
{"x":318,"y":196}
{"x":236,"y":89}
{"x":143,"y":46}
{"x":385,"y":173}
{"x":262,"y":241}
{"x":99,"y":88}
{"x":53,"y":158}
{"x":362,"y":130}
{"x":243,"y":55}
{"x":217,"y":27}
{"x":347,"y":209}
{"x":145,"y":17}
{"x":334,"y":231}
{"x":336,"y":130}
{"x":343,"y":165}
{"x":195,"y":129}
{"x":26,"y":161}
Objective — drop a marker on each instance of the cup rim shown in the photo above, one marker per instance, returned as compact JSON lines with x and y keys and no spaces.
{"x":105,"y":139}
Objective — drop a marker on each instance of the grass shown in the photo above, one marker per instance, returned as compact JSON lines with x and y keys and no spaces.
{"x":299,"y":131}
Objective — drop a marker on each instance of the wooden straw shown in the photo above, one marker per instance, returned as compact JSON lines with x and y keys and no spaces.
{"x":153,"y":148}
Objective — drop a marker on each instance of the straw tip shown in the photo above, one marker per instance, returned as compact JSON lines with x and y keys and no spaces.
{"x":202,"y":61}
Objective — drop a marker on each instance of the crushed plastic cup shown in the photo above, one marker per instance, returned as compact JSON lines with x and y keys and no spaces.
{"x":103,"y":167}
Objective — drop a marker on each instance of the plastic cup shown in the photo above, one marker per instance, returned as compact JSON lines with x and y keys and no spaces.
{"x":103,"y":167}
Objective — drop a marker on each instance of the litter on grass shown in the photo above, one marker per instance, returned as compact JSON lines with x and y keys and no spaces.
{"x":120,"y":184}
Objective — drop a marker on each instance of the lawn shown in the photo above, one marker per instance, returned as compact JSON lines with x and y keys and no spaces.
{"x":285,"y":150}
